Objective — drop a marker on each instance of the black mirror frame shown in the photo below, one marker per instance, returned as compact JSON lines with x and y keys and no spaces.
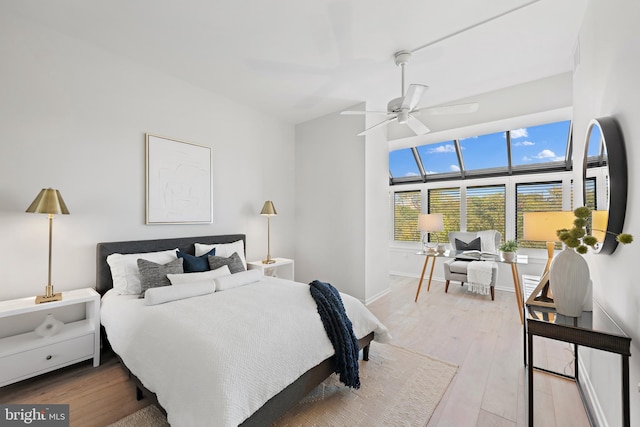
{"x":617,"y":165}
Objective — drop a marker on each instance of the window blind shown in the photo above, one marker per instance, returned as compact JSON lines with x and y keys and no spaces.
{"x":447,"y":202}
{"x":486,"y":208}
{"x":407,"y":206}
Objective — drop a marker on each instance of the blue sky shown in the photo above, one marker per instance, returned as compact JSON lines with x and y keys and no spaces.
{"x":531,"y":145}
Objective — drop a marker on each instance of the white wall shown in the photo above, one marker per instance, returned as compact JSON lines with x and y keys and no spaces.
{"x":74,"y":116}
{"x":341,"y":206}
{"x":606,"y":84}
{"x":376,"y":210}
{"x":330,"y":197}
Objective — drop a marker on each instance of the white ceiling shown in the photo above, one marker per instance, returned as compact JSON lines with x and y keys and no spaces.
{"x":300,"y":59}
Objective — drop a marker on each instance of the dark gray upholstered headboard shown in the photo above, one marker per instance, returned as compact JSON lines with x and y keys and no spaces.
{"x":185,"y":244}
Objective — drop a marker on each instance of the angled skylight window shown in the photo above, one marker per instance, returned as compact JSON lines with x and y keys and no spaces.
{"x":540,"y":144}
{"x":440,"y":157}
{"x":484,"y":151}
{"x":402,"y":164}
{"x":596,"y":149}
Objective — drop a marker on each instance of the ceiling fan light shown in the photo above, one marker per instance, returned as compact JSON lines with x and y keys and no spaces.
{"x":403,"y":117}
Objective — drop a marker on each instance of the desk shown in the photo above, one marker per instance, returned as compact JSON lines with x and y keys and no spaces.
{"x":520,"y":259}
{"x":544,"y":322}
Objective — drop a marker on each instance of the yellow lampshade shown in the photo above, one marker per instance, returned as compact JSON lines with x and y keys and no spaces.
{"x":599,"y":221}
{"x":430,"y":222}
{"x":542,"y":226}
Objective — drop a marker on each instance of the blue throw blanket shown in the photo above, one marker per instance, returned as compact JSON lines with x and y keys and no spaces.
{"x":339,"y":330}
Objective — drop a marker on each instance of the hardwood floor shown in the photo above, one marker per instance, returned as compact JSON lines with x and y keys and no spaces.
{"x":96,"y":396}
{"x":482,"y":337}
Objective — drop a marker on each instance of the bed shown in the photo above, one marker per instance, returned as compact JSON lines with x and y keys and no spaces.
{"x":242,"y":356}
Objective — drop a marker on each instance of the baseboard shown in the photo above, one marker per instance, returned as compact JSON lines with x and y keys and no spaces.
{"x":403,"y":274}
{"x":377,"y":296}
{"x":589,"y":390}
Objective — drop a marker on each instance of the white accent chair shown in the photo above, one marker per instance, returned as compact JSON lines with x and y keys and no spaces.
{"x":457,"y":269}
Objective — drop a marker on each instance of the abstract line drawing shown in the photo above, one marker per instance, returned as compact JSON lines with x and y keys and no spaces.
{"x":179,"y":183}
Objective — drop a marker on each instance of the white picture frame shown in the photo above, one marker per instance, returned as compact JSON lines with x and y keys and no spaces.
{"x":178,"y":182}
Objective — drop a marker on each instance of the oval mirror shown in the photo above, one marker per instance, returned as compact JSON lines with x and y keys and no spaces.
{"x":605,"y":181}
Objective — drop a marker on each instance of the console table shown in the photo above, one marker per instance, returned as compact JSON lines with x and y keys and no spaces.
{"x":543,"y":321}
{"x":520,"y":259}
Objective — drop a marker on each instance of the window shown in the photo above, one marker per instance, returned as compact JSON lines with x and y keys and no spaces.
{"x":485,"y":151}
{"x":402,"y":163}
{"x":439,"y":158}
{"x":590,"y":193}
{"x":540,"y":144}
{"x":540,"y":148}
{"x":447,"y":202}
{"x":406,"y":208}
{"x":486,"y":208}
{"x":536,"y":197}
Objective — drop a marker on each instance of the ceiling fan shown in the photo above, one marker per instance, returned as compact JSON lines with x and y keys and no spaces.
{"x":403,"y":109}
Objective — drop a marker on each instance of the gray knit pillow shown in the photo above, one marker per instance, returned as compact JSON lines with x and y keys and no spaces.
{"x":153,"y":275}
{"x":234,"y":262}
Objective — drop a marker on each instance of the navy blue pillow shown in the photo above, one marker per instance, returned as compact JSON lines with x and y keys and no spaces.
{"x":195,"y":264}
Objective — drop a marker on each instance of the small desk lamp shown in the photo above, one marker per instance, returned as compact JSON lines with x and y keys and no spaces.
{"x":541,"y":227}
{"x":49,"y":201}
{"x":430,"y":223}
{"x":268,"y":210}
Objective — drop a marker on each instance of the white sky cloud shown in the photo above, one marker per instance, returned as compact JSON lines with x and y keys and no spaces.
{"x":546,"y":154}
{"x":454,"y":168}
{"x":524,"y":144}
{"x":412,"y":174}
{"x":449,"y":148}
{"x":519,"y":133}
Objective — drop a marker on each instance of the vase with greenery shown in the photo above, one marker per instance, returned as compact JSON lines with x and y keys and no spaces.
{"x":509,"y":249}
{"x":569,"y":272}
{"x":578,"y":236}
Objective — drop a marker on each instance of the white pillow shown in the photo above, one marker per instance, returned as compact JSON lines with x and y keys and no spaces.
{"x":202,"y":276}
{"x":164,"y":294}
{"x":239,"y":279}
{"x":124,"y":269}
{"x":223,"y":250}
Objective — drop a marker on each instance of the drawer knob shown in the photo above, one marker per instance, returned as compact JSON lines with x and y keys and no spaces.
{"x":49,"y":357}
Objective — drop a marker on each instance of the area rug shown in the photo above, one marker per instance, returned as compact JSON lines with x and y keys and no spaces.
{"x":399,"y":388}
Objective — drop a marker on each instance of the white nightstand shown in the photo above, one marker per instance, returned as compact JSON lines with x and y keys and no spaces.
{"x":23,"y":354}
{"x":282,"y":267}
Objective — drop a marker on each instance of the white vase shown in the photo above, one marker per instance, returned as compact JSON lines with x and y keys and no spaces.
{"x":50,"y":326}
{"x":569,"y":281}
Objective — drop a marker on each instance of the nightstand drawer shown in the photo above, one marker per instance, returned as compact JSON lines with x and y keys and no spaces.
{"x":45,"y":358}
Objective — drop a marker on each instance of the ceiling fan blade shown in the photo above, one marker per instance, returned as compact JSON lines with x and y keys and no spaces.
{"x":413,"y":95}
{"x":417,"y":126}
{"x":450,"y":109}
{"x":353,"y":112}
{"x":377,"y":125}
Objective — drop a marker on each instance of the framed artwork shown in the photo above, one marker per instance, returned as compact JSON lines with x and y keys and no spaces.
{"x":179,"y":182}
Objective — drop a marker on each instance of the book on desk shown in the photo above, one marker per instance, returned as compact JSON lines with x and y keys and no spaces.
{"x":474,"y":255}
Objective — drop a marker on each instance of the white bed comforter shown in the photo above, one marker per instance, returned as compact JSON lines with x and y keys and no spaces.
{"x":213,"y":360}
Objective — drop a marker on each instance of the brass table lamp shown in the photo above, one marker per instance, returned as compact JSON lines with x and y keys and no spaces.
{"x":49,"y":201}
{"x":268,"y":210}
